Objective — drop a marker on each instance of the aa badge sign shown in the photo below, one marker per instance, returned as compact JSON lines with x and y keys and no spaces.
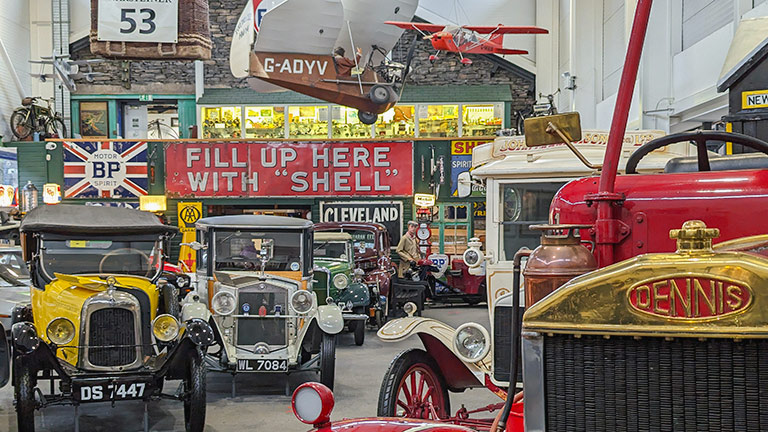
{"x":189,"y":213}
{"x":105,"y":169}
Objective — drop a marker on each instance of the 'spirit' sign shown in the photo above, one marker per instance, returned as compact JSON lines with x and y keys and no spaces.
{"x":226,"y":169}
{"x":105,"y":169}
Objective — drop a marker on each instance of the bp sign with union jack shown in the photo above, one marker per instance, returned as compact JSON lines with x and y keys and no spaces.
{"x":105,"y":169}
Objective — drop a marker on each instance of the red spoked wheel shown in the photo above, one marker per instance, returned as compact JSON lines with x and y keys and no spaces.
{"x":414,"y":387}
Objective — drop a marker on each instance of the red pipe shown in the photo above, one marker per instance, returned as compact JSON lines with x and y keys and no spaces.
{"x":624,"y":98}
{"x":607,"y":201}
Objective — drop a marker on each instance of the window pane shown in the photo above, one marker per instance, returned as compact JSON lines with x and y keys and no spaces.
{"x":308,"y":121}
{"x":455,"y":239}
{"x":345,"y":124}
{"x":523,"y":205}
{"x":455,"y":212}
{"x":482,"y":120}
{"x":264,"y":122}
{"x":438,"y":120}
{"x":221,"y":122}
{"x":396,"y":122}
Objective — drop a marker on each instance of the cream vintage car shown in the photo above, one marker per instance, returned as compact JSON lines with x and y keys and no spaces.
{"x":257,"y":274}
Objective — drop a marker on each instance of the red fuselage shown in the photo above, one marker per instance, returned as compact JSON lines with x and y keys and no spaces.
{"x":444,"y":41}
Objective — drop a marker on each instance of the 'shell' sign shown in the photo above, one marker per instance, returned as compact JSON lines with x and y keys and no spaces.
{"x":236,"y":169}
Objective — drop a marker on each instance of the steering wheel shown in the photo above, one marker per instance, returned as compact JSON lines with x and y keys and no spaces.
{"x":116,"y":251}
{"x":700,"y":138}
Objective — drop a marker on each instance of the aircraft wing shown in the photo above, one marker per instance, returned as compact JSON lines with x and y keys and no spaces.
{"x":301,"y":27}
{"x":366,"y":20}
{"x":500,"y":29}
{"x":432,"y":28}
{"x":242,"y":39}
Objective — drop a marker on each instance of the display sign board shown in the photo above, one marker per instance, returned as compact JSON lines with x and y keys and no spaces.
{"x":387,"y":213}
{"x":105,"y":169}
{"x":188,"y":214}
{"x":122,"y":204}
{"x":287,"y":169}
{"x":754,"y":99}
{"x":461,"y":161}
{"x":138,"y":21}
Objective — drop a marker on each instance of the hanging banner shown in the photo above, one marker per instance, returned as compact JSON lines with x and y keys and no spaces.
{"x":237,"y":169}
{"x":461,"y":161}
{"x":105,"y":169}
{"x":387,"y":213}
{"x":188,"y":214}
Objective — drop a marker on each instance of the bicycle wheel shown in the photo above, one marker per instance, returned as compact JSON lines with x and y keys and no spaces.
{"x":55,"y":128}
{"x":21,"y":123}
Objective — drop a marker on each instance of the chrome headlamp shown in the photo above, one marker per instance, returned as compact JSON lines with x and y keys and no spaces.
{"x":224,"y":303}
{"x":301,"y":301}
{"x":165,"y":328}
{"x":340,"y":281}
{"x":471,"y":342}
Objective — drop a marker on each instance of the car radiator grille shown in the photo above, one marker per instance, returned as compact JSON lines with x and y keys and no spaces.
{"x":652,"y":384}
{"x":113,"y":329}
{"x":254,"y":329}
{"x":502,"y":340}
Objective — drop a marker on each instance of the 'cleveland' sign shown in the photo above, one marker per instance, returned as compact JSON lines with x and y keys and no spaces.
{"x":253,"y":169}
{"x":690,"y":297}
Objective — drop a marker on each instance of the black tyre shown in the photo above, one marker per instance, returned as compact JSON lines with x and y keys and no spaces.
{"x":56,"y":129}
{"x":25,"y":399}
{"x":194,"y":394}
{"x":21,"y":123}
{"x":380,"y":94}
{"x":379,"y":319}
{"x":414,"y":387}
{"x":328,"y":360}
{"x":367,"y":117}
{"x":171,"y":300}
{"x":359,"y":329}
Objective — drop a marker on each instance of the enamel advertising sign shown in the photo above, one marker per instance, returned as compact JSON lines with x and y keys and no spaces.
{"x":236,"y":169}
{"x":105,"y":169}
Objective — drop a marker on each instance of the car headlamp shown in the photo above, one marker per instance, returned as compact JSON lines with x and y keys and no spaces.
{"x":340,"y":281}
{"x":301,"y":301}
{"x":60,"y":331}
{"x":312,"y":403}
{"x":165,"y":328}
{"x":470,"y":342}
{"x":224,"y":303}
{"x":473,"y":257}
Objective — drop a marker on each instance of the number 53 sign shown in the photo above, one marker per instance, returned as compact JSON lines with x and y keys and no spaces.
{"x":138,"y":21}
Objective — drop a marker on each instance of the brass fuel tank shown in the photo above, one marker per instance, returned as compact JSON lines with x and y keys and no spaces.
{"x":559,"y":258}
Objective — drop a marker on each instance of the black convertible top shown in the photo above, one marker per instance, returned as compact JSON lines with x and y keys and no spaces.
{"x":81,"y":219}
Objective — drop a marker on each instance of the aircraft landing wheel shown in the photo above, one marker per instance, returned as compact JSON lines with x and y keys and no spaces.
{"x":414,"y":387}
{"x":367,"y":117}
{"x":380,"y":94}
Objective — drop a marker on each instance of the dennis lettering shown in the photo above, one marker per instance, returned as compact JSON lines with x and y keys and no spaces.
{"x":690,"y":297}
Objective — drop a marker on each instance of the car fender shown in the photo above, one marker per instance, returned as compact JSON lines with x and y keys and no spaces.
{"x":437,"y":338}
{"x":329,"y":319}
{"x":356,"y":293}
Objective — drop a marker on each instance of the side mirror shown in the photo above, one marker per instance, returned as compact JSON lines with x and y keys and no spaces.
{"x":539,"y":131}
{"x":464,"y":185}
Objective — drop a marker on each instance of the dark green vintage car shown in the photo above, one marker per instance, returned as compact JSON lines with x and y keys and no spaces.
{"x":337,"y":280}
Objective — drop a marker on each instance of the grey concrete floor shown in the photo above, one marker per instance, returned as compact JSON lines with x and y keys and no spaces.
{"x":260,"y":404}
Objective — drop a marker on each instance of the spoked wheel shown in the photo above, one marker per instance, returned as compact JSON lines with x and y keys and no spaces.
{"x":21,"y":126}
{"x":25,"y":399}
{"x":413,"y":387}
{"x":328,"y":360}
{"x":55,"y":128}
{"x":194,"y":393}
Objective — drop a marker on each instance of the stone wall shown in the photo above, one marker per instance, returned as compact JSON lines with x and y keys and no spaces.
{"x":178,"y":76}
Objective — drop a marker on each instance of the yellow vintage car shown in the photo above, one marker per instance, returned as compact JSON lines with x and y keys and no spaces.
{"x":102,"y":320}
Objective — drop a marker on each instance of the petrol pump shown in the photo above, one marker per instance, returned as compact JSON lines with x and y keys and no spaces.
{"x":424,"y":204}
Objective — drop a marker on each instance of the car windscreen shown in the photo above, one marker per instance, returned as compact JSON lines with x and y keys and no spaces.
{"x":13,"y":269}
{"x":101,"y":256}
{"x":330,"y":249}
{"x":241,"y":250}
